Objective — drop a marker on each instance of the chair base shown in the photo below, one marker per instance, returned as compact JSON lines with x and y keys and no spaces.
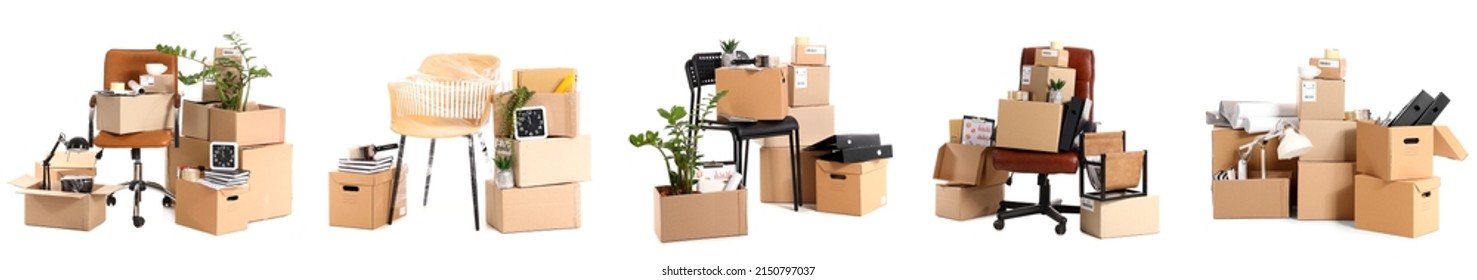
{"x":138,"y":185}
{"x":1044,"y":206}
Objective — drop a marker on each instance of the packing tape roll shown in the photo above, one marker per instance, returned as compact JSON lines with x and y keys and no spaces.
{"x":1331,"y":53}
{"x":1056,"y":45}
{"x":802,"y":40}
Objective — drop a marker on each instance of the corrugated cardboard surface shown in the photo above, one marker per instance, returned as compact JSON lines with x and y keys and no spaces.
{"x":1394,"y":153}
{"x":1330,"y":69}
{"x":1320,"y":99}
{"x":1029,"y":125}
{"x":851,"y":188}
{"x":551,"y":161}
{"x":704,"y":215}
{"x":544,"y":80}
{"x":213,"y":211}
{"x":57,"y":209}
{"x":816,"y":123}
{"x":562,"y":112}
{"x":1120,"y":218}
{"x":79,"y":163}
{"x":964,"y":202}
{"x":196,"y":119}
{"x":960,"y":164}
{"x":270,"y":166}
{"x":363,"y":200}
{"x":1332,"y":140}
{"x":1254,"y":198}
{"x":258,"y":125}
{"x":811,"y":85}
{"x":1053,"y":58}
{"x":756,"y":94}
{"x":1325,"y":190}
{"x":1409,"y":208}
{"x":809,"y":55}
{"x":775,"y":177}
{"x":1037,"y":81}
{"x":533,"y":209}
{"x":131,"y":114}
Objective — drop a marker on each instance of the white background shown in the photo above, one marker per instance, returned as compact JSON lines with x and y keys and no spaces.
{"x":901,"y":68}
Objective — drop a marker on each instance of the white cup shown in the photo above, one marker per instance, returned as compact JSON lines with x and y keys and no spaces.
{"x":155,"y":69}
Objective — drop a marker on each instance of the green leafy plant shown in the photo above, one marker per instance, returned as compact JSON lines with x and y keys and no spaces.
{"x":1057,"y":84}
{"x":515,"y":99}
{"x":678,"y":146}
{"x":729,"y":46}
{"x":503,"y":162}
{"x":232,"y":75}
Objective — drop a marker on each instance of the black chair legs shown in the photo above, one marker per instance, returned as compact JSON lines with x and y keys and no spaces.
{"x":472,"y":161}
{"x":395,"y":184}
{"x":795,"y":169}
{"x":430,"y":159}
{"x":1044,"y":206}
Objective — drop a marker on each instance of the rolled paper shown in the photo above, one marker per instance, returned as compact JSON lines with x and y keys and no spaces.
{"x":1331,"y":53}
{"x":118,"y":87}
{"x":802,"y":40}
{"x":1308,"y":71}
{"x":1056,"y":45}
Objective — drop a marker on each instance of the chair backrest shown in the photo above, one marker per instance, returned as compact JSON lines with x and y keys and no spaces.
{"x":461,"y":66}
{"x":452,"y":90}
{"x":700,"y":69}
{"x":1079,"y":59}
{"x":123,"y":65}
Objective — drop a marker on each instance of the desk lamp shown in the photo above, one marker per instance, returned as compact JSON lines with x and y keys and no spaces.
{"x":1293,"y":145}
{"x":74,"y":145}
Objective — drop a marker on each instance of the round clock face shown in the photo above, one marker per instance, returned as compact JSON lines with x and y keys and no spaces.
{"x":529,"y":122}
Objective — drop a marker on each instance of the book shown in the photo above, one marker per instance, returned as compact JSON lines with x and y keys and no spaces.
{"x":366,"y":166}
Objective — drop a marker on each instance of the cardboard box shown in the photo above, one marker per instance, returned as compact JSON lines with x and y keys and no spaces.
{"x":363,"y":200}
{"x":163,"y":83}
{"x":816,"y":123}
{"x":956,"y":131}
{"x":196,"y":119}
{"x":1037,"y":81}
{"x":1253,"y":198}
{"x":1331,"y":69}
{"x":1409,"y":208}
{"x":701,"y":215}
{"x":1225,"y":143}
{"x":258,"y":125}
{"x":533,"y":208}
{"x":850,"y":188}
{"x":207,"y":88}
{"x":213,"y":211}
{"x":1029,"y":125}
{"x":964,"y":202}
{"x":271,"y":173}
{"x":810,"y":55}
{"x":754,"y":94}
{"x":811,"y":85}
{"x":775,"y":176}
{"x":66,"y":210}
{"x":133,"y":114}
{"x":1051,"y":58}
{"x":1400,"y":153}
{"x":1321,"y":99}
{"x":79,"y":163}
{"x":1120,"y":218}
{"x":1325,"y":190}
{"x":561,"y":112}
{"x":544,"y":81}
{"x":960,"y":164}
{"x":1332,"y":140}
{"x":551,"y":161}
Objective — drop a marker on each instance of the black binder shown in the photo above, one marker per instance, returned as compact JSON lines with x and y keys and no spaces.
{"x":858,"y":154}
{"x":844,"y":141}
{"x":1413,"y":110}
{"x":850,"y":148}
{"x":1071,"y":123}
{"x":1429,"y":116}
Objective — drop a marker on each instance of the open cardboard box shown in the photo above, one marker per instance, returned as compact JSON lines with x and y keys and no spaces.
{"x":270,"y":166}
{"x":538,"y":208}
{"x":213,"y":211}
{"x":960,"y":164}
{"x":1252,"y":198}
{"x":1404,"y":152}
{"x":850,"y":188}
{"x":258,"y":125}
{"x":553,"y":160}
{"x":363,"y":200}
{"x":700,"y":215}
{"x":562,"y":112}
{"x":1224,"y":152}
{"x":195,"y":121}
{"x":761,"y":94}
{"x":79,"y":163}
{"x":964,"y":202}
{"x":66,"y":210}
{"x":132,"y":114}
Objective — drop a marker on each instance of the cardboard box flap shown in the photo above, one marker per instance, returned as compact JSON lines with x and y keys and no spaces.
{"x":64,"y":159}
{"x":363,"y":180}
{"x":25,"y":182}
{"x":60,"y":194}
{"x":953,"y":158}
{"x":1447,"y":145}
{"x":227,"y":193}
{"x":100,"y":189}
{"x":1425,"y":187}
{"x":858,"y":168}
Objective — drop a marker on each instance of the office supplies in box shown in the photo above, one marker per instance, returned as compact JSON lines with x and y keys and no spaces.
{"x":1403,"y":152}
{"x":852,"y":148}
{"x":551,"y":81}
{"x":65,"y":210}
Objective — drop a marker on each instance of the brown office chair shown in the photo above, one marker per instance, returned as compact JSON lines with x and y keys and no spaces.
{"x":1044,"y":164}
{"x":125,"y":65}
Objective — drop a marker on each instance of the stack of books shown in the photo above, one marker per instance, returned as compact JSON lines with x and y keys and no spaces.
{"x":220,"y":179}
{"x":366,"y":166}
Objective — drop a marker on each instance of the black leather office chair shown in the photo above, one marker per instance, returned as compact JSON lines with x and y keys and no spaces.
{"x":700,"y":72}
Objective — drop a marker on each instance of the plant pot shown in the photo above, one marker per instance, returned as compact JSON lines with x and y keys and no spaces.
{"x":504,"y":178}
{"x":1054,"y":96}
{"x":700,"y":215}
{"x":727,"y":59}
{"x":257,"y":125}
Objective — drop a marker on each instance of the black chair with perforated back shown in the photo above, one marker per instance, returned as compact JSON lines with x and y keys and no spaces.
{"x":700,"y":72}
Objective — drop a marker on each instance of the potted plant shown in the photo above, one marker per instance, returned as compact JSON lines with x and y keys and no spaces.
{"x":232,"y":70}
{"x":510,"y":102}
{"x":730,"y":50}
{"x":1055,"y":95}
{"x":682,"y":212}
{"x":504,"y":178}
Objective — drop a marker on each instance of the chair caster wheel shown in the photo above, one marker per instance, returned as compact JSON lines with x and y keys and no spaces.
{"x":1061,"y":229}
{"x":999,"y":224}
{"x":138,"y":222}
{"x":168,"y":202}
{"x":112,"y":200}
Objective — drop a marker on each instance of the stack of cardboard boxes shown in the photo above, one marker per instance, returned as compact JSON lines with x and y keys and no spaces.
{"x":260,"y":133}
{"x":1325,"y":172}
{"x":809,"y":86}
{"x":546,"y":172}
{"x":971,"y":186}
{"x":1396,"y":191}
{"x":359,"y":192}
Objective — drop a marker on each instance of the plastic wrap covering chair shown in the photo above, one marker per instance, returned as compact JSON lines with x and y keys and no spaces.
{"x":124,"y":65}
{"x":1044,"y":164}
{"x":452,"y":96}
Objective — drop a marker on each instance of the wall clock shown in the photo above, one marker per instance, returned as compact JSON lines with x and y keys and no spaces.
{"x":224,"y":156}
{"x":530,"y":123}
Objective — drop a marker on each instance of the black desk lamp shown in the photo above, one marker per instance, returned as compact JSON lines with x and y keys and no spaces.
{"x":75,"y":145}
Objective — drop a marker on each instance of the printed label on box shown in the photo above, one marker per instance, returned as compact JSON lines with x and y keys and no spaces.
{"x":815,"y":50}
{"x":802,"y":77}
{"x":230,"y":52}
{"x":1026,"y":75}
{"x":1310,"y":91}
{"x":1088,"y":205}
{"x":1328,"y":63}
{"x":1048,"y":53}
{"x":208,"y":81}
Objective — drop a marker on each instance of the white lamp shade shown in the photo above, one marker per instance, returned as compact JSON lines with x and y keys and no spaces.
{"x":1293,"y":145}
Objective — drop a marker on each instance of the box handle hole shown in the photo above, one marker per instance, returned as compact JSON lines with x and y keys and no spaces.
{"x":838,"y":177}
{"x":1412,"y":141}
{"x":351,"y":188}
{"x":1426,"y":194}
{"x":233,"y":198}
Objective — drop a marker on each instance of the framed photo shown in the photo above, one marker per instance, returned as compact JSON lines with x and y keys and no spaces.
{"x":978,"y":131}
{"x":530,"y":123}
{"x":225,"y":156}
